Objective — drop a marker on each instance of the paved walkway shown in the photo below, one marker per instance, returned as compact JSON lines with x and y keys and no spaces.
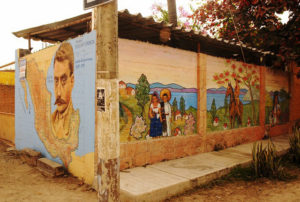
{"x":163,"y":180}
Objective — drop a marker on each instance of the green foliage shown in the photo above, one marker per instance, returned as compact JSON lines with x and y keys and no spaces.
{"x":241,"y":173}
{"x":213,"y":110}
{"x":295,"y":146}
{"x":182,"y":105}
{"x":174,"y":106}
{"x":224,"y":119}
{"x":266,"y":163}
{"x":142,"y":92}
{"x":256,"y":24}
{"x":226,"y":106}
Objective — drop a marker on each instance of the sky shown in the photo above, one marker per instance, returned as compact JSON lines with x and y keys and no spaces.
{"x":16,"y":15}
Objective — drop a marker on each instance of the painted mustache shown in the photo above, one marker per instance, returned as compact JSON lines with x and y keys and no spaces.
{"x":59,"y":101}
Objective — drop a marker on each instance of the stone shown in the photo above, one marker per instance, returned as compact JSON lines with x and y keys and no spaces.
{"x":30,"y":156}
{"x":50,"y":168}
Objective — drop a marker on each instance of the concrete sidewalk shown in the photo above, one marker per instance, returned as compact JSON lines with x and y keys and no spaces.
{"x":163,"y":180}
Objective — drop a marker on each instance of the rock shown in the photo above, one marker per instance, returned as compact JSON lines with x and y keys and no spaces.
{"x":30,"y":156}
{"x":11,"y":149}
{"x":50,"y":168}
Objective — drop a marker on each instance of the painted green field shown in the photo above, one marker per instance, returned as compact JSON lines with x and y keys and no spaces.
{"x":224,"y":118}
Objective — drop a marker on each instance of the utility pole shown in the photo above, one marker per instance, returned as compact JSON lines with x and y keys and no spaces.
{"x":107,"y":140}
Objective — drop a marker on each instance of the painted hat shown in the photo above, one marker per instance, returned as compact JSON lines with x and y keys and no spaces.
{"x":165,"y":91}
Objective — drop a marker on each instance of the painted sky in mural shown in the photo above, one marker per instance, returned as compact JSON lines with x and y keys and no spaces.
{"x":232,"y":94}
{"x":55,"y":108}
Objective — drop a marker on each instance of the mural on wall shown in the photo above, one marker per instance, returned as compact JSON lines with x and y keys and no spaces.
{"x":232,"y":94}
{"x":156,"y":99}
{"x":156,"y":110}
{"x":277,"y":97}
{"x":55,"y":103}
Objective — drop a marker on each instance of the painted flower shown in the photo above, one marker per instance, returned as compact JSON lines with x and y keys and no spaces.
{"x":227,"y":73}
{"x":240,"y":70}
{"x":253,"y":72}
{"x":221,"y":75}
{"x":245,"y":78}
{"x":244,"y":65}
{"x":233,"y":66}
{"x":220,"y":82}
{"x":228,"y":61}
{"x":216,"y":77}
{"x":249,"y":66}
{"x":233,"y":75}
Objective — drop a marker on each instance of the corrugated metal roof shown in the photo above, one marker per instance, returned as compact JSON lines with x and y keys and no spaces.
{"x":137,"y":27}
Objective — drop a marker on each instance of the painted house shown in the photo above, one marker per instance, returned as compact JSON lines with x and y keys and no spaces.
{"x":122,"y":85}
{"x":130,"y":91}
{"x":178,"y":115}
{"x":191,"y":72}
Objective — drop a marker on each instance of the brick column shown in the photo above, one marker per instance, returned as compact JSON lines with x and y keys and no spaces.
{"x":262,"y":97}
{"x":201,"y":85}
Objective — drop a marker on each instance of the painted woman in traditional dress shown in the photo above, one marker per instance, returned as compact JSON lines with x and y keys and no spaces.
{"x":155,"y":117}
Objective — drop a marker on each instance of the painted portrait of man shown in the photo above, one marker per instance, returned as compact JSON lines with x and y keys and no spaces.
{"x":65,"y":119}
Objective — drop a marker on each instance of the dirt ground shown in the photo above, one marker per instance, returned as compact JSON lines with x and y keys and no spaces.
{"x":259,"y":190}
{"x":20,"y":182}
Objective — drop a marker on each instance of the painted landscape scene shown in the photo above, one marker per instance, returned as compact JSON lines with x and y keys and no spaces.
{"x":277,"y":107}
{"x":233,"y":100}
{"x":156,"y":110}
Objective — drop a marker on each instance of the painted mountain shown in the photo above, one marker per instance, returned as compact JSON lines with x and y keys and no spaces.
{"x":222,"y":90}
{"x":172,"y":87}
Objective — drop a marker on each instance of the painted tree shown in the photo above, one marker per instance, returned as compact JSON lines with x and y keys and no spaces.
{"x":226,"y":106}
{"x":246,"y":74}
{"x":174,"y":107}
{"x":213,"y":110}
{"x":142,"y":92}
{"x":182,"y":105}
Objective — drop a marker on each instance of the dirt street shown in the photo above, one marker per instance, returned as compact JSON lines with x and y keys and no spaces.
{"x":259,"y":190}
{"x":20,"y":182}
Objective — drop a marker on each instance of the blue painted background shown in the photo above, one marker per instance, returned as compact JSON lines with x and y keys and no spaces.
{"x":83,"y":98}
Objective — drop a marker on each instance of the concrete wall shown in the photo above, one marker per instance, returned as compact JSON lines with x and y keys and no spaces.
{"x":62,"y":131}
{"x":295,"y":93}
{"x":136,"y":58}
{"x":7,"y":109}
{"x":7,"y":127}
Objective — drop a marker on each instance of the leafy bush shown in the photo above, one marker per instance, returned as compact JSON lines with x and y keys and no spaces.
{"x":295,"y":146}
{"x":266,"y":163}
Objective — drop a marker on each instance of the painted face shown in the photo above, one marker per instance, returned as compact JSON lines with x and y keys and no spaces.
{"x":154,"y":99}
{"x":63,"y":85}
{"x":165,"y":98}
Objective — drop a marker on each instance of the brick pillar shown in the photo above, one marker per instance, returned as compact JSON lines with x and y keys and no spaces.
{"x":262,"y":97}
{"x":201,"y":112}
